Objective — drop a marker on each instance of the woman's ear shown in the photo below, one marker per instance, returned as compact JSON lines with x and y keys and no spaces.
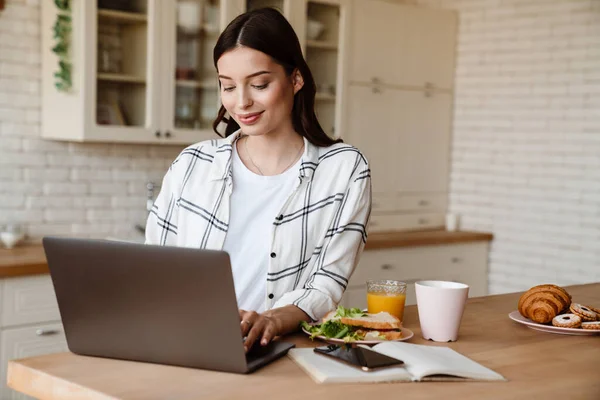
{"x":297,"y":80}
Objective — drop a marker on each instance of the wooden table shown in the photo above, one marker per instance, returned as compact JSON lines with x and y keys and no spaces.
{"x":537,"y":365}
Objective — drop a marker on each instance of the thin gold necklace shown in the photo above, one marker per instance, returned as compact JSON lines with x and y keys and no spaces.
{"x":258,"y":168}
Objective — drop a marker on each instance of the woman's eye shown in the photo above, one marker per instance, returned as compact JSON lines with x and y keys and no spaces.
{"x":260,"y":87}
{"x":228,"y":89}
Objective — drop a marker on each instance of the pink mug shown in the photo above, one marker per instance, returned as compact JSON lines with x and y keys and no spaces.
{"x":440,"y":305}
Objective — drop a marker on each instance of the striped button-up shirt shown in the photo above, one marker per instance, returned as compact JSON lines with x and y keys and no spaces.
{"x":317,"y":237}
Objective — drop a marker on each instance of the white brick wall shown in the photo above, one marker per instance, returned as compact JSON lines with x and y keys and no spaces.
{"x":94,"y":190}
{"x":526,"y":147}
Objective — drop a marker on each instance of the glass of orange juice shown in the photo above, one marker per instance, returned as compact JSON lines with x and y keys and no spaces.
{"x":386,"y":295}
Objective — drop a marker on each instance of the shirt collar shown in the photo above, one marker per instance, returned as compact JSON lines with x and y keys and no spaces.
{"x":222,"y":163}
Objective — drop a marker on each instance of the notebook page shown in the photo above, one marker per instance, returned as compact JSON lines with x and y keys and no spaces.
{"x":421,"y":360}
{"x":323,"y":369}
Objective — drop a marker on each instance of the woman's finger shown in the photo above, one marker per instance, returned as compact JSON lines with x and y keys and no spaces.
{"x":256,"y":331}
{"x":248,"y":320}
{"x":268,"y":334}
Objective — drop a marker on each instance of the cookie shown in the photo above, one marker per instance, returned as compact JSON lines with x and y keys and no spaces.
{"x":567,"y":321}
{"x":596,"y":310}
{"x":593,"y":326}
{"x":584,"y":312}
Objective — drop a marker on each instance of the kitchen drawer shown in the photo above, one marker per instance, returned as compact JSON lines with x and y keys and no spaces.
{"x":465,"y":263}
{"x":25,"y":342}
{"x":406,"y":222}
{"x":424,"y":202}
{"x":28,"y":300}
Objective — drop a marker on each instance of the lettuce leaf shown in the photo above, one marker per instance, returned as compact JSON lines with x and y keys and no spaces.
{"x":349,"y":312}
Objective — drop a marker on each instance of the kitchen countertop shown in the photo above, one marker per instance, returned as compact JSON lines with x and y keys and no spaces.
{"x":23,"y":260}
{"x":31,"y":260}
{"x":536,"y":364}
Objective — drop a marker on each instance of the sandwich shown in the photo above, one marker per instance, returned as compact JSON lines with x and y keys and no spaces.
{"x":352,"y":324}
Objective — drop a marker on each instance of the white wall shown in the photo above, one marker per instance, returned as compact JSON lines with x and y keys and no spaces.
{"x":526,"y":147}
{"x":56,"y":187}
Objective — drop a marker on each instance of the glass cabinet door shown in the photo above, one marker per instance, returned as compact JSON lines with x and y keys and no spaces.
{"x":126,"y":69}
{"x":193,"y":27}
{"x":322,"y":45}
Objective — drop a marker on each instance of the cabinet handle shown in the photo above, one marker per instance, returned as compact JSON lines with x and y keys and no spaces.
{"x":157,"y":134}
{"x":375,"y":80}
{"x":456,"y":260}
{"x":376,"y":90}
{"x":387,"y":267}
{"x":423,"y":203}
{"x":46,"y":332}
{"x":168,"y":134}
{"x":423,"y":221}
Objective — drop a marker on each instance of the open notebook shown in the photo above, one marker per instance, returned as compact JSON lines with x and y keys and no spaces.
{"x":421,"y":363}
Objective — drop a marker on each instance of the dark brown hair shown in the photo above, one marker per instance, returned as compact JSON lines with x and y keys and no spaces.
{"x":267,"y":31}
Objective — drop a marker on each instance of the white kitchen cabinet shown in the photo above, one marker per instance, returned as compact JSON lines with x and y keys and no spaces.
{"x":415,"y":46}
{"x":30,"y":323}
{"x":145,"y":74}
{"x":408,"y":150}
{"x":139,"y":75}
{"x":398,"y":109}
{"x":25,"y":342}
{"x":466,"y":263}
{"x":28,"y":300}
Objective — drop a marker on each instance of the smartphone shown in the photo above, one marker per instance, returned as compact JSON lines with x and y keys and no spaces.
{"x":361,"y":357}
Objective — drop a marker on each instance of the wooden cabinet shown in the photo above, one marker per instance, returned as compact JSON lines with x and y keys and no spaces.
{"x":29,"y":323}
{"x":140,"y":74}
{"x":398,"y":109}
{"x":466,"y":263}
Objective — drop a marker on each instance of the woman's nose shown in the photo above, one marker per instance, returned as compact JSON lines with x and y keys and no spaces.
{"x":244,"y":99}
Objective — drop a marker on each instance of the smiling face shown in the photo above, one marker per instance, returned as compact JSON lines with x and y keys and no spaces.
{"x":256,"y":91}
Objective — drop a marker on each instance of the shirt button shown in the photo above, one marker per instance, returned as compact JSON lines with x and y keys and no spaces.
{"x":271,"y":295}
{"x":273,"y":255}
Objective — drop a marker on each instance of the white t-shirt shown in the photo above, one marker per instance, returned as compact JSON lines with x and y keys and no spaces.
{"x":255,"y":202}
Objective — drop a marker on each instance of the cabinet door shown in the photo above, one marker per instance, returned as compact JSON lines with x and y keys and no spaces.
{"x":27,"y":342}
{"x":428,"y":56}
{"x":28,"y":300}
{"x":190,"y":87}
{"x":376,"y":43}
{"x":404,"y":134}
{"x":400,"y":45}
{"x":372,"y":127}
{"x":423,"y":121}
{"x":123,"y":73}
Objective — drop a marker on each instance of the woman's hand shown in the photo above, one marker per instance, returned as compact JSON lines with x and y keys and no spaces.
{"x":257,"y":327}
{"x":271,"y":323}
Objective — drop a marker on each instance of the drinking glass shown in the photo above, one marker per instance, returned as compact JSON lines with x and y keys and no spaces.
{"x":386,"y":295}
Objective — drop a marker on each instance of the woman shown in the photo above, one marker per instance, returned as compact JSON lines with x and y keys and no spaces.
{"x":289,"y":204}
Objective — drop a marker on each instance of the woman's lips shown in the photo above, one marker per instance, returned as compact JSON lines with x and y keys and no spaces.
{"x":250,"y":119}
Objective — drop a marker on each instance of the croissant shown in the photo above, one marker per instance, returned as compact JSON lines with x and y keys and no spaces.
{"x":544,"y":302}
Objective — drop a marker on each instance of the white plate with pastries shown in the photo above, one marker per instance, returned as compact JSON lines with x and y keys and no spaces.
{"x":517,"y":317}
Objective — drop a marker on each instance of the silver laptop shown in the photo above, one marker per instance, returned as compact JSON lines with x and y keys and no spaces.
{"x":157,"y":304}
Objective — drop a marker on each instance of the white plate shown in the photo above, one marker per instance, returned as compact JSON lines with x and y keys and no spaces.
{"x":406,"y":334}
{"x":517,"y":317}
